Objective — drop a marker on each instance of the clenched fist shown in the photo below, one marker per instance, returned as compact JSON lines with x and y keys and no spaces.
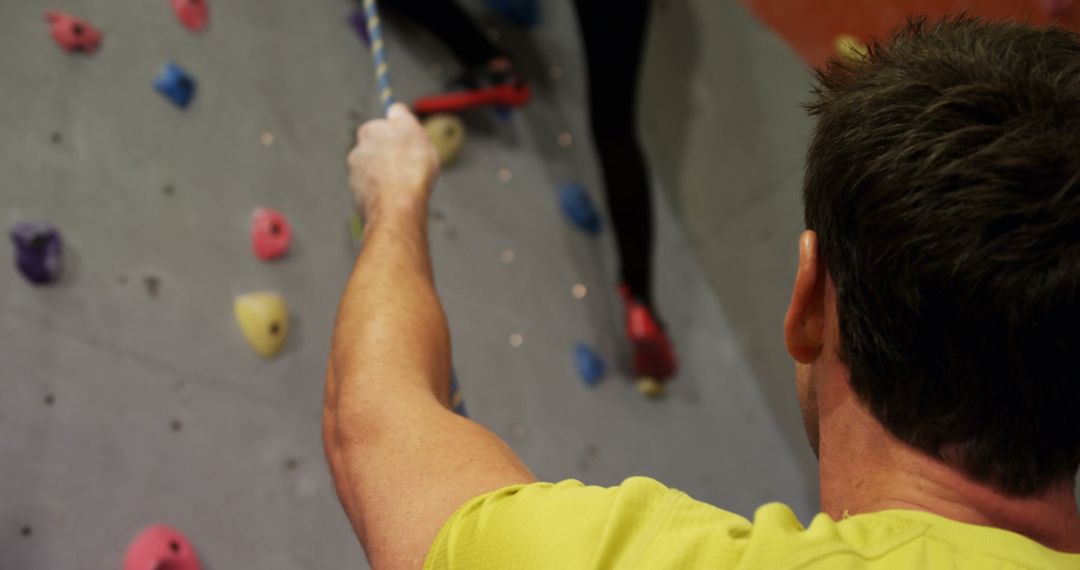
{"x":393,"y":164}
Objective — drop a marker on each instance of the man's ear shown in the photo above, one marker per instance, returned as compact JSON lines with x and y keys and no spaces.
{"x":804,"y":326}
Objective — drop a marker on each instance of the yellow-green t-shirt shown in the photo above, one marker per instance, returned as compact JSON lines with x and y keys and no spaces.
{"x":643,"y":524}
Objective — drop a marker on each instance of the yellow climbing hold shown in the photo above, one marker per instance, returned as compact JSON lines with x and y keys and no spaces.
{"x":850,"y":47}
{"x":447,"y":133}
{"x":650,"y":387}
{"x":264,"y":320}
{"x":356,"y":226}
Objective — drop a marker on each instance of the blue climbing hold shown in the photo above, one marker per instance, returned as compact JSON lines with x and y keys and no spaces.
{"x":457,"y":402}
{"x":578,"y":208}
{"x":590,"y":366}
{"x":524,"y":13}
{"x":175,"y":84}
{"x":503,"y":112}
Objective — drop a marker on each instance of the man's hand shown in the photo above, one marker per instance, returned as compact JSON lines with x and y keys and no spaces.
{"x":393,"y":162}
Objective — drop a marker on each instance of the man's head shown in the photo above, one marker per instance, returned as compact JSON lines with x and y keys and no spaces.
{"x":942,"y":192}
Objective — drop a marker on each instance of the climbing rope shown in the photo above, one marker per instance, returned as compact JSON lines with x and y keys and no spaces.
{"x":378,"y":54}
{"x":386,"y":95}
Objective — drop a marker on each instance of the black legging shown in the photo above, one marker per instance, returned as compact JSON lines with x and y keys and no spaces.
{"x":613,"y":39}
{"x":451,"y":25}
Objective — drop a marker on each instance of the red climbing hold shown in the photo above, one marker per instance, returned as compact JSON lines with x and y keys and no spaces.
{"x":161,"y":546}
{"x":192,"y":13}
{"x":73,"y":34}
{"x":270,"y":234}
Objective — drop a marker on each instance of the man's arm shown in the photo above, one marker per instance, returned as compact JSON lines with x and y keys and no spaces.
{"x":402,"y":461}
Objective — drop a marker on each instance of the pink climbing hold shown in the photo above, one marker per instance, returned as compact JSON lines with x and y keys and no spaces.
{"x":163,"y":547}
{"x":271,"y":235}
{"x":194,"y":14}
{"x":71,"y":33}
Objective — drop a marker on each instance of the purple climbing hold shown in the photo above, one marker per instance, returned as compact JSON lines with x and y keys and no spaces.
{"x":589,"y":365}
{"x":359,"y":23}
{"x":578,"y":208}
{"x":37,"y":251}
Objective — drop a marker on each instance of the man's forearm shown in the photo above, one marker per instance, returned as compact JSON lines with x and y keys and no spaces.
{"x":402,"y":461}
{"x":391,"y":336}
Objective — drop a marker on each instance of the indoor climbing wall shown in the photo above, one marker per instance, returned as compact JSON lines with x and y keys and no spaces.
{"x":193,"y":159}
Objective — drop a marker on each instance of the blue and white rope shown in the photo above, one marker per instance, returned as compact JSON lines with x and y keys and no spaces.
{"x":386,"y":95}
{"x":378,"y":54}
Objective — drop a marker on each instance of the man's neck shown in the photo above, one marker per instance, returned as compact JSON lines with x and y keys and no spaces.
{"x":864,"y":469}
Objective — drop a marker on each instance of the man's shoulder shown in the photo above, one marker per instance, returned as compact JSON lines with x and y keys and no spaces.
{"x":642,"y":523}
{"x":570,"y":524}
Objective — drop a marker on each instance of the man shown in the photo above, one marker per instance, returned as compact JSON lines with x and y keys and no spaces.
{"x":933,"y":323}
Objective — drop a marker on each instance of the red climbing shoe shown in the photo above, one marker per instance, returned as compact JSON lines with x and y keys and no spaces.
{"x":161,"y":547}
{"x":496,"y":85}
{"x":654,"y":357}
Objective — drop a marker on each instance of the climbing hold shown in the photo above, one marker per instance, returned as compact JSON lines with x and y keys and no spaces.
{"x":175,"y":84}
{"x":161,"y":546}
{"x":578,"y":208}
{"x":590,"y":366}
{"x":264,"y":320}
{"x":271,"y":235}
{"x":524,"y":13}
{"x":38,"y":249}
{"x":650,"y":387}
{"x":193,"y":14}
{"x":447,"y":133}
{"x":457,"y":402}
{"x":503,"y":112}
{"x":73,"y":34}
{"x":849,"y":47}
{"x":359,"y":23}
{"x":356,"y":226}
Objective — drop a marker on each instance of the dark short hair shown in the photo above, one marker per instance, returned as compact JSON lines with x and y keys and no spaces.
{"x":942,"y":181}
